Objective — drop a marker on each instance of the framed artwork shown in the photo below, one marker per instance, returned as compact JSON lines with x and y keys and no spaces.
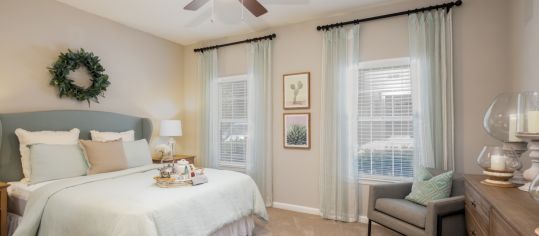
{"x":297,"y":130}
{"x":296,"y":91}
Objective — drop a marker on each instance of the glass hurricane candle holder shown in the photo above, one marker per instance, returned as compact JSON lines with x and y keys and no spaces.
{"x":528,"y":130}
{"x":501,"y":122}
{"x":497,"y":166}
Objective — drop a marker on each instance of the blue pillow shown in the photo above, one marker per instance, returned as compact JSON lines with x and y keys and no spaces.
{"x":137,"y":153}
{"x":427,"y":188}
{"x":56,"y":161}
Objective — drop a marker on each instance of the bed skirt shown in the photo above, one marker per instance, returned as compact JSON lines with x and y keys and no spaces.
{"x":13,"y":221}
{"x":241,"y":227}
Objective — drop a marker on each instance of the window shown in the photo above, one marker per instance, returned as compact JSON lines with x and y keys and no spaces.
{"x":232,"y":124}
{"x":384,"y":120}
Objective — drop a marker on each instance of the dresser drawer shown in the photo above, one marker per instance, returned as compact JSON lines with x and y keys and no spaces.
{"x":477,"y":206}
{"x":473,"y":227}
{"x":499,"y":227}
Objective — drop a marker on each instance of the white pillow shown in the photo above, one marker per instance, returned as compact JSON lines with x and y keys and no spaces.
{"x":127,"y":136}
{"x":45,"y":137}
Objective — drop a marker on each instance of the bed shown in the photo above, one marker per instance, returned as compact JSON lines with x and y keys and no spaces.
{"x":123,"y":202}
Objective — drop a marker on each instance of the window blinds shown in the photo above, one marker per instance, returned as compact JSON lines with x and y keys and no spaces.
{"x":232,"y":123}
{"x":384,"y":124}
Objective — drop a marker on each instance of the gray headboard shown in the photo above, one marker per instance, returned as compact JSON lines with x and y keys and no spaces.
{"x":10,"y":164}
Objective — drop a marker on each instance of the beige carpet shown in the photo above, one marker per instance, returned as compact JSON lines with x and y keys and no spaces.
{"x":288,"y":223}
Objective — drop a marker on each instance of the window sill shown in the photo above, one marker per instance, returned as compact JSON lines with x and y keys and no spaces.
{"x":377,"y":180}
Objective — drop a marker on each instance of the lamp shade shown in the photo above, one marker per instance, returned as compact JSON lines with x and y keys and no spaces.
{"x":170,"y":128}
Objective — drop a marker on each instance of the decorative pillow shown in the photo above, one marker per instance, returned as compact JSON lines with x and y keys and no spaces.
{"x":104,"y":157}
{"x":46,"y":137}
{"x":50,"y":162}
{"x":437,"y":187}
{"x":137,"y":153}
{"x":126,"y":136}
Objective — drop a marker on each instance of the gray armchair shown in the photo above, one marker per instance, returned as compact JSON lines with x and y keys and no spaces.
{"x":388,"y":208}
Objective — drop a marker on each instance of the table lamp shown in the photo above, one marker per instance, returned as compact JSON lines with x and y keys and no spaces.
{"x":171,"y":128}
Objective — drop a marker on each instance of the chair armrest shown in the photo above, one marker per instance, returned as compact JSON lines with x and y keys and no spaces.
{"x":393,"y":190}
{"x":446,"y":206}
{"x":441,"y":208}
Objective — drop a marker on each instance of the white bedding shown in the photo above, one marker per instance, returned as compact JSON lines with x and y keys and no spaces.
{"x":18,"y":194}
{"x":128,"y":203}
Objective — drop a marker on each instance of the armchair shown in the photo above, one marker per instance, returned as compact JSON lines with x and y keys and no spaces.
{"x":388,"y":208}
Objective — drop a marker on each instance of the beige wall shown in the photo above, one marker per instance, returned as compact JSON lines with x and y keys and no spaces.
{"x":525,"y":25}
{"x":481,"y":41}
{"x":145,"y":71}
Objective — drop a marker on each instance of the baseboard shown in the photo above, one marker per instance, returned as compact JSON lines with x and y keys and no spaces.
{"x":363,"y":219}
{"x":296,"y":208}
{"x":308,"y":210}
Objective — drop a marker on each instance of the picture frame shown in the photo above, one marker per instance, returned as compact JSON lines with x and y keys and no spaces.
{"x":297,"y":130}
{"x":297,"y":91}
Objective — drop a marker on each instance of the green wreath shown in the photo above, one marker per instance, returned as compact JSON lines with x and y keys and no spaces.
{"x":70,"y":61}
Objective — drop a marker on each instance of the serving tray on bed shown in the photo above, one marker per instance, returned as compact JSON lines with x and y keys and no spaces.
{"x":172,"y":182}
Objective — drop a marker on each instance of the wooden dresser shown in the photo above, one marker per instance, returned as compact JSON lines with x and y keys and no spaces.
{"x":498,"y":211}
{"x":190,"y":158}
{"x":3,"y":208}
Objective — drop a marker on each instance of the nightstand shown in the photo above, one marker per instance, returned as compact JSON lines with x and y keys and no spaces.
{"x":177,"y":157}
{"x":3,"y":208}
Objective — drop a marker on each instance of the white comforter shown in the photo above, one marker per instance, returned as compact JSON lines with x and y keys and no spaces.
{"x":129,"y":203}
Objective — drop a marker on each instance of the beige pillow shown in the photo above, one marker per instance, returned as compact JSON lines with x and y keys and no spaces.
{"x":127,"y":136}
{"x":104,"y":157}
{"x":44,"y":137}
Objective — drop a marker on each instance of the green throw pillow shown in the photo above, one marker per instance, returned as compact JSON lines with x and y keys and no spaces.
{"x":427,"y":188}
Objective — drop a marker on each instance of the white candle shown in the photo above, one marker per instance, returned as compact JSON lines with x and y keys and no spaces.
{"x":497,"y":162}
{"x":513,"y":128}
{"x":533,"y":121}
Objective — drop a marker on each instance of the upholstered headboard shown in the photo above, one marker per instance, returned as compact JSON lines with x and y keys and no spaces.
{"x":10,"y":164}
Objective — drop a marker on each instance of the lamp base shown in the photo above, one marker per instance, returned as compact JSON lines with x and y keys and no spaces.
{"x":172,"y":144}
{"x":498,"y":179}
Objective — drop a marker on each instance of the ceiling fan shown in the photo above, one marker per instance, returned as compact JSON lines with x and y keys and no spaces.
{"x":253,"y":6}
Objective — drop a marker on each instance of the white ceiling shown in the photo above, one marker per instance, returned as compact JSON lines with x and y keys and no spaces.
{"x":167,"y":19}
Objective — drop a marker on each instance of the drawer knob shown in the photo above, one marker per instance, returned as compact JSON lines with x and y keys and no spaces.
{"x":473,"y":233}
{"x":474,"y":204}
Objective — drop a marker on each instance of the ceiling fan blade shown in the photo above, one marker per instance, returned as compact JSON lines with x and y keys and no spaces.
{"x":195,"y":5}
{"x":254,"y":7}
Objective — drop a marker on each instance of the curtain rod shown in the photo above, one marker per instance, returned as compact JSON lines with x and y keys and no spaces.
{"x":268,"y":37}
{"x":447,"y":6}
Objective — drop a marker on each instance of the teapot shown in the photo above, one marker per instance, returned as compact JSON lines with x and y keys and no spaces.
{"x":183,"y":167}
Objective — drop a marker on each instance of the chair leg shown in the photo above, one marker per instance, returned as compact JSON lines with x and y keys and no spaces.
{"x":369,"y":228}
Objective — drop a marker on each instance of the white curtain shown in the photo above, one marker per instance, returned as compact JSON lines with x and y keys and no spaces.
{"x":207,"y":71}
{"x":339,"y":186}
{"x":431,"y":53}
{"x":259,"y":143}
